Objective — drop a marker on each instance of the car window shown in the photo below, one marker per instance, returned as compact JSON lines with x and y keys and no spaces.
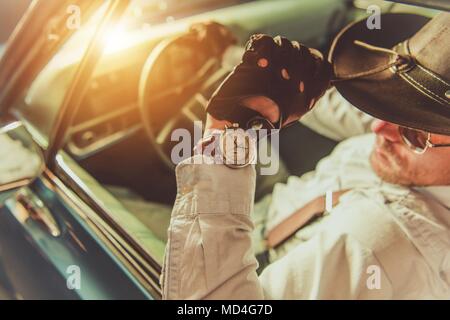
{"x":40,"y":102}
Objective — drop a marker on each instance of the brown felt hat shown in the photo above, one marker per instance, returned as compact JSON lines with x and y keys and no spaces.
{"x":399,"y":73}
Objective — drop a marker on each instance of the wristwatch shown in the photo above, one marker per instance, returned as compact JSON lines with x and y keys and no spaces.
{"x":237,"y":147}
{"x":233,"y":147}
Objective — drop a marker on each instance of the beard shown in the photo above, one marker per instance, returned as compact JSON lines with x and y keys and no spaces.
{"x":392,"y":164}
{"x":389,"y":165}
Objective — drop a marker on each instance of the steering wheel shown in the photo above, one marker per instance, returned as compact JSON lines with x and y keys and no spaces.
{"x":175,"y":85}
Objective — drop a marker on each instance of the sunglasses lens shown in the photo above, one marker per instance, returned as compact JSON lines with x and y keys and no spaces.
{"x":415,"y":138}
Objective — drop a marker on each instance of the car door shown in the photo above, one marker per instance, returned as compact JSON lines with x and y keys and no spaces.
{"x":54,"y":245}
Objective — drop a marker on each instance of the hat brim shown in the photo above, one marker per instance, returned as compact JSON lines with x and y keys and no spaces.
{"x":385,"y":95}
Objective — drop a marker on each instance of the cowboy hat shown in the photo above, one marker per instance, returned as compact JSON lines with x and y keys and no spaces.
{"x":399,"y":73}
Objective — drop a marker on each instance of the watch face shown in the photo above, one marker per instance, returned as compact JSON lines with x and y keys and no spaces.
{"x":238,"y":148}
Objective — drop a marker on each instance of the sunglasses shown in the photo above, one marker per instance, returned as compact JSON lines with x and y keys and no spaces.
{"x":417,"y":140}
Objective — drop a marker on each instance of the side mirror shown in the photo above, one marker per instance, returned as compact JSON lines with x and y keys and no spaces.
{"x":21,"y":159}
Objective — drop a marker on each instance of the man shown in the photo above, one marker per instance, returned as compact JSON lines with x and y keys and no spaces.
{"x":388,"y":234}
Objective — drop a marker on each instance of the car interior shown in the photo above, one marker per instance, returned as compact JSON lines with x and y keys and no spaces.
{"x":147,"y":83}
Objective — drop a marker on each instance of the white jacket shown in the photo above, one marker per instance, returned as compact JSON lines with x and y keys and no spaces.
{"x":381,"y":241}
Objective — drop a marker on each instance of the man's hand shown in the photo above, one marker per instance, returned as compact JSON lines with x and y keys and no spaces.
{"x":276,"y":77}
{"x":211,"y":37}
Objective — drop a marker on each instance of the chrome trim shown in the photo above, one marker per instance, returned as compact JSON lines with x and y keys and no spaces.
{"x":10,"y":126}
{"x":15,"y":184}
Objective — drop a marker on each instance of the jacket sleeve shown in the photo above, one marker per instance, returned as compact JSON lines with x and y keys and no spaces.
{"x":209,"y":253}
{"x":336,"y":118}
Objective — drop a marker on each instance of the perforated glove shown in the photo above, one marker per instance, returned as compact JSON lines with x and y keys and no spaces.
{"x":291,"y":74}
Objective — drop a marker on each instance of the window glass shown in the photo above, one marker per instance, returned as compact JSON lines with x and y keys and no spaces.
{"x":40,"y":103}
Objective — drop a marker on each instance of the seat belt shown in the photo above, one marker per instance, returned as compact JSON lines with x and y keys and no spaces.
{"x":313,"y":209}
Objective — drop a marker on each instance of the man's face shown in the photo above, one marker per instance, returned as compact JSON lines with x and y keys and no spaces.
{"x":395,"y":162}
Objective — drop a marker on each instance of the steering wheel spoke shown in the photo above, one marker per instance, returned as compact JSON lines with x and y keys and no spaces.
{"x":201,"y":100}
{"x":165,"y":132}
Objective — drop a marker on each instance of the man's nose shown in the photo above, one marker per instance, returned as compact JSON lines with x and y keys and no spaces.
{"x":387,"y":130}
